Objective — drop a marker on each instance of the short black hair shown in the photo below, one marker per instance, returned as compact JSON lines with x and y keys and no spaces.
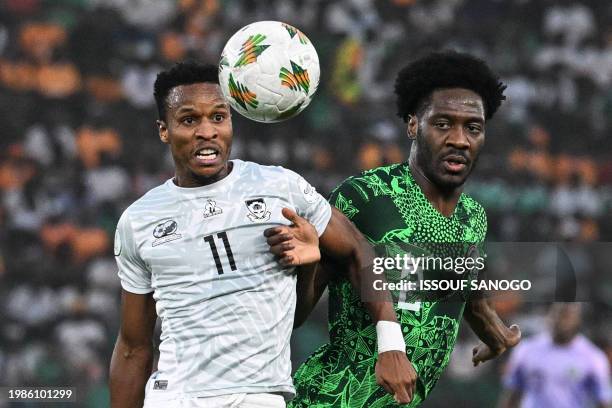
{"x":447,"y":69}
{"x":182,"y":73}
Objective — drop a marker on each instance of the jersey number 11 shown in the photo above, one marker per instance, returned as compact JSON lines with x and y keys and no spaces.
{"x":228,"y":250}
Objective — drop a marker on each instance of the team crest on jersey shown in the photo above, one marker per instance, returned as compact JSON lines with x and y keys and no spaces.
{"x":165,"y":232}
{"x":257,"y":209}
{"x":211,"y":209}
{"x":160,"y":384}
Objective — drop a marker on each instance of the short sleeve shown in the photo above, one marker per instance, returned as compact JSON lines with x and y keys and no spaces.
{"x":514,"y":373}
{"x":309,"y":203}
{"x":134,"y":274}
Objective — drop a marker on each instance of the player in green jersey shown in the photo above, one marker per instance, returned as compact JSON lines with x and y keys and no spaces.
{"x":445,"y":98}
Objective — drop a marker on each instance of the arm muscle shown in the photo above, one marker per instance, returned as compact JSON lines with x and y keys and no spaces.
{"x":132,"y":359}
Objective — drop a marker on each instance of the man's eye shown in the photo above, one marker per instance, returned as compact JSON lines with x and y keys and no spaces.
{"x":188,"y":120}
{"x":474,"y":128}
{"x":442,"y":125}
{"x":218,"y":117}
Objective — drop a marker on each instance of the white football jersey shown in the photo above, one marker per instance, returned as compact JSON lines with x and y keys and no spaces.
{"x":226,"y":305}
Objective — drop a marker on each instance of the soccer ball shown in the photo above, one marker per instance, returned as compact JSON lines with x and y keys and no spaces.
{"x":269,"y":71}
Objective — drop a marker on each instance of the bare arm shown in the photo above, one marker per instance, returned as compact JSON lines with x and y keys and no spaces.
{"x":132,"y":360}
{"x":298,"y":245}
{"x":311,"y":282}
{"x":495,"y":336}
{"x":510,"y":399}
{"x":343,"y":242}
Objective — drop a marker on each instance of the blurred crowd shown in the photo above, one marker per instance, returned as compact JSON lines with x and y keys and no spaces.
{"x":79,"y":143}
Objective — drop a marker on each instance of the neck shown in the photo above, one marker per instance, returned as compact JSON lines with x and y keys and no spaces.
{"x":563,"y":341}
{"x":189,"y":180}
{"x":443,"y":200}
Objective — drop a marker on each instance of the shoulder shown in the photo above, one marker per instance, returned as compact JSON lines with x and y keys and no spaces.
{"x":591,"y":351}
{"x":373,"y":182}
{"x":255,"y":170}
{"x":537,"y":341}
{"x":474,"y":216}
{"x":533,"y":345}
{"x":280,"y":181}
{"x":356,"y":193}
{"x":473,"y":208}
{"x":156,"y":197}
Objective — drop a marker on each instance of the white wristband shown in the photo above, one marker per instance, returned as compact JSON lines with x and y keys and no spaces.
{"x":389,"y":336}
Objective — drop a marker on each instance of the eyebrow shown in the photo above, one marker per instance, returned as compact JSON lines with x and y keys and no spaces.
{"x":452,"y":116}
{"x":189,"y":108}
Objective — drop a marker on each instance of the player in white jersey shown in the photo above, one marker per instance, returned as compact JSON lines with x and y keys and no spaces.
{"x":193,"y":253}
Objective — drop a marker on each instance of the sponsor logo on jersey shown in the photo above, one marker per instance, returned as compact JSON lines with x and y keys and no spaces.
{"x":160,"y":384}
{"x":257,"y":210}
{"x":211,"y":209}
{"x":165,"y":232}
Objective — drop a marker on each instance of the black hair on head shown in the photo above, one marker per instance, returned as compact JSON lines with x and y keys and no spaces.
{"x":448,"y":69}
{"x":182,"y":73}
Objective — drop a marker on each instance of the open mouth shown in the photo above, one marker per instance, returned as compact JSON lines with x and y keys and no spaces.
{"x":207,"y":155}
{"x":455,"y":163}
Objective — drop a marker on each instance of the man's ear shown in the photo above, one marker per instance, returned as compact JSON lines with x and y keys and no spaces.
{"x":163,"y":131}
{"x":413,"y":126}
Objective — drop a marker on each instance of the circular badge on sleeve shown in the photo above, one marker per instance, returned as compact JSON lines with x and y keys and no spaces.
{"x":310,"y":193}
{"x":117,"y":249}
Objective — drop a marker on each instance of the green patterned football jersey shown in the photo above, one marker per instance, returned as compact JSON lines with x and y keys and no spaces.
{"x":390,"y":209}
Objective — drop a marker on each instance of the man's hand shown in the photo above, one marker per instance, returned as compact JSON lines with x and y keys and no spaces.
{"x":396,"y":375}
{"x":296,"y":244}
{"x":495,"y":336}
{"x":482,"y":352}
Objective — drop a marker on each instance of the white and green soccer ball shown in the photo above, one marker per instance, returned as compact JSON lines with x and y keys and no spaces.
{"x":269,"y":71}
